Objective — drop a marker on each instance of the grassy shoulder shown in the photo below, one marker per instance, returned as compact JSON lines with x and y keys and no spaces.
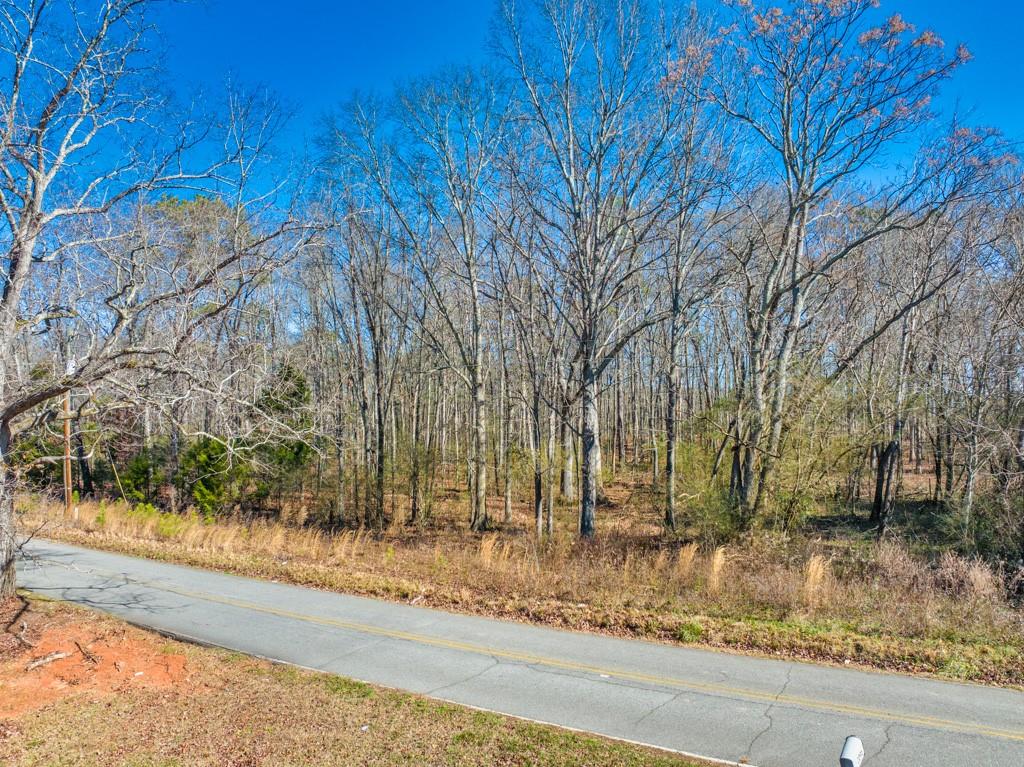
{"x":888,"y":611}
{"x":123,"y":696}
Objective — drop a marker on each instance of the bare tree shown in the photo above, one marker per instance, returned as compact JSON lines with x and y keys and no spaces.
{"x":434,"y":175}
{"x":82,"y":140}
{"x":824,"y":91}
{"x":590,"y":84}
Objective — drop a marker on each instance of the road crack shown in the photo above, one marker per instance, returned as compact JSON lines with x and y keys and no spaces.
{"x":660,"y":706}
{"x":768,"y":713}
{"x":888,"y":739}
{"x":470,"y":678}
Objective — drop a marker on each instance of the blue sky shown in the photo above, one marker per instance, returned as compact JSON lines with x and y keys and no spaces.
{"x":315,"y":53}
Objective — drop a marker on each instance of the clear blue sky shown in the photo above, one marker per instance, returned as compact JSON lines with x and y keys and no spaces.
{"x":315,"y":53}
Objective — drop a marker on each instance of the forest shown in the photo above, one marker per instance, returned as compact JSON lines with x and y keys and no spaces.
{"x":655,"y":281}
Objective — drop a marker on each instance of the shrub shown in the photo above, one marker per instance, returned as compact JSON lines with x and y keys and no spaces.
{"x":690,"y":632}
{"x":145,"y":511}
{"x":144,"y":473}
{"x":210,"y":475}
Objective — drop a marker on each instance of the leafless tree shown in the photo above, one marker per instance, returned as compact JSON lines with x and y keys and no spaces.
{"x":83,"y":141}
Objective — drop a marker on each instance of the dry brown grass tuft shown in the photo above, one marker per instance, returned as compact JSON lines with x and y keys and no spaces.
{"x":970,"y":579}
{"x":684,"y":562}
{"x":716,"y":565}
{"x":487,"y":546}
{"x":816,"y":576}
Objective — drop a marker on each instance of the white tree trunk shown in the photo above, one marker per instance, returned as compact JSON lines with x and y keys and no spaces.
{"x":590,"y":459}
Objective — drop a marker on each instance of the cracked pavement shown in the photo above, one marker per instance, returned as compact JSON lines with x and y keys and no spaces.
{"x":768,"y":713}
{"x":725,"y":706}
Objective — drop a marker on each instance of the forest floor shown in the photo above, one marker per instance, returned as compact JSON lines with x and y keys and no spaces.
{"x":80,"y":688}
{"x":836,"y":597}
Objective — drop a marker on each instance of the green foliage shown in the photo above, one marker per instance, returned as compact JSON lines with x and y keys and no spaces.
{"x":210,"y":475}
{"x":348,"y":688}
{"x":214,"y":474}
{"x":145,"y":511}
{"x":166,"y":524}
{"x":716,"y":519}
{"x":992,"y":530}
{"x":145,"y":473}
{"x":28,"y":453}
{"x":690,"y":632}
{"x":280,"y":462}
{"x":793,"y":509}
{"x":704,"y":504}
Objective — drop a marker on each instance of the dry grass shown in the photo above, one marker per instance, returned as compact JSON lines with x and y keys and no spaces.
{"x":229,"y":710}
{"x":716,"y":567}
{"x":816,"y":576}
{"x":876,"y":606}
{"x":684,"y":562}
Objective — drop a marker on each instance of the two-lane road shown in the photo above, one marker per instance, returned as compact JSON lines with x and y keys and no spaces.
{"x":752,"y":710}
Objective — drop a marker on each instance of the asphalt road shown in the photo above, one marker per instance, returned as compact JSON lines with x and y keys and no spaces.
{"x":717,"y":705}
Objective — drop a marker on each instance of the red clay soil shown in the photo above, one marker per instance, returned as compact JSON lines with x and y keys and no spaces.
{"x":98,"y":658}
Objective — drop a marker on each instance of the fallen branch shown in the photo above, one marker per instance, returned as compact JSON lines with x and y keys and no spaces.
{"x":46,"y":659}
{"x":87,"y":654}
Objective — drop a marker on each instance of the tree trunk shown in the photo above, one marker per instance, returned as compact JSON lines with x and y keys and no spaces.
{"x":414,"y":462}
{"x":670,"y":443}
{"x":85,"y":483}
{"x":590,"y":458}
{"x":949,"y":460}
{"x":879,"y":452}
{"x":884,"y":480}
{"x":568,"y":489}
{"x":538,"y":476}
{"x":970,"y":478}
{"x":338,"y":509}
{"x":792,"y":253}
{"x":506,"y":427}
{"x":147,"y":447}
{"x":550,"y":500}
{"x":174,"y":460}
{"x":478,"y":519}
{"x":620,"y":422}
{"x":754,"y":428}
{"x":7,"y":533}
{"x":378,"y":463}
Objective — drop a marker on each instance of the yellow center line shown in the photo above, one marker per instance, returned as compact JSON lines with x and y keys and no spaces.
{"x":710,"y":688}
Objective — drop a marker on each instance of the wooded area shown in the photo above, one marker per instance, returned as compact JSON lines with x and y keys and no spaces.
{"x":743,"y":262}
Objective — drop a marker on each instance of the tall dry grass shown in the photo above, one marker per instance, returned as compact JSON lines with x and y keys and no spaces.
{"x":716,"y":568}
{"x":685,"y":559}
{"x":876,"y":588}
{"x":816,"y":577}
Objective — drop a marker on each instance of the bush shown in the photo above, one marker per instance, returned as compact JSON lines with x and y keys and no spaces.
{"x":145,"y":511}
{"x":210,"y":475}
{"x":29,"y":451}
{"x":144,"y":473}
{"x":716,"y":520}
{"x":101,"y":515}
